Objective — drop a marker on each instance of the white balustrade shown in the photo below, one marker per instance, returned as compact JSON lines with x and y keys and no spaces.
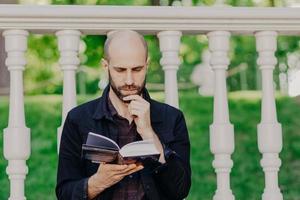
{"x":16,"y":135}
{"x":221,"y":131}
{"x":68,"y":44}
{"x":169,"y":23}
{"x":169,"y":43}
{"x":269,"y":130}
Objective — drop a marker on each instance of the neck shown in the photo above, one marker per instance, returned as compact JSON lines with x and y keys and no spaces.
{"x":120,"y":106}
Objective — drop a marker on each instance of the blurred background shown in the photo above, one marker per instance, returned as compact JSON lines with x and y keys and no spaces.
{"x":43,"y":89}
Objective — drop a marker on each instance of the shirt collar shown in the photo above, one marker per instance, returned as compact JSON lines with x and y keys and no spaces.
{"x":102,"y":109}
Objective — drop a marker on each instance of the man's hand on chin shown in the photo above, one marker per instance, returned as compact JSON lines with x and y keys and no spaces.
{"x":140,"y":109}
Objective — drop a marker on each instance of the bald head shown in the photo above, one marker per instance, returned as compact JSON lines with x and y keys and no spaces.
{"x":125,"y":63}
{"x":125,"y":42}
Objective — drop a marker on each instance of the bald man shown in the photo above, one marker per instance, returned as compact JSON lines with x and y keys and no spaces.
{"x":125,"y":113}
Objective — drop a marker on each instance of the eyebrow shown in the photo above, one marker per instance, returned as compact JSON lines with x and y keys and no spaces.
{"x":120,"y":67}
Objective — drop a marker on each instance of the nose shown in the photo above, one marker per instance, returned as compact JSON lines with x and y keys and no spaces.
{"x":129,"y":80}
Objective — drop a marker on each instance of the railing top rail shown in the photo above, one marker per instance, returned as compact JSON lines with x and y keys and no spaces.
{"x":149,"y":19}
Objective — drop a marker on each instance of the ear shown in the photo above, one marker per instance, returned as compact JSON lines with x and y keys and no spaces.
{"x":147,"y":62}
{"x":104,"y":64}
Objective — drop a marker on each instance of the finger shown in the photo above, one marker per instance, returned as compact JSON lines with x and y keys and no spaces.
{"x":101,"y":164}
{"x":128,"y":169}
{"x":133,"y":97}
{"x":122,"y":171}
{"x":116,"y":168}
{"x":137,"y":107}
{"x":118,"y":177}
{"x":130,"y":108}
{"x":138,"y":168}
{"x":138,"y":104}
{"x":134,"y":112}
{"x":132,"y":166}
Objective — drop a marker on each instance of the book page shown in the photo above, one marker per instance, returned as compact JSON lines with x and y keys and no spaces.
{"x":139,"y":148}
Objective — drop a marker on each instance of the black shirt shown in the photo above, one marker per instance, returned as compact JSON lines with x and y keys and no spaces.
{"x":130,"y":187}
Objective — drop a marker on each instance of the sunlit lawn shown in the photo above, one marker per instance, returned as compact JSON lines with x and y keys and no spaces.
{"x":247,"y":180}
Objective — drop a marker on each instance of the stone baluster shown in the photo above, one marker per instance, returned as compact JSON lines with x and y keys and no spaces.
{"x":68,"y":44}
{"x":269,"y":130}
{"x":169,"y":43}
{"x":221,"y":130}
{"x":16,"y":135}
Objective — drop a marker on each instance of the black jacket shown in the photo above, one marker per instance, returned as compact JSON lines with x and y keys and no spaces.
{"x":171,"y":180}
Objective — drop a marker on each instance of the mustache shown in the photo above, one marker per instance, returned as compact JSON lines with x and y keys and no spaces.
{"x":129,"y":87}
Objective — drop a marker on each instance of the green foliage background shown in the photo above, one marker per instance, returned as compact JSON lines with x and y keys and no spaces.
{"x":43,"y":74}
{"x":43,"y":115}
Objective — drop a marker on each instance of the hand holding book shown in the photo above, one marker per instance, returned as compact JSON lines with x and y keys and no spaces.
{"x":108,"y":175}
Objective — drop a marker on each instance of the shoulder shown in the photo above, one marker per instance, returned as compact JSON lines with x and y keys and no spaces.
{"x":167,"y":121}
{"x":160,"y":109}
{"x":84,"y":111}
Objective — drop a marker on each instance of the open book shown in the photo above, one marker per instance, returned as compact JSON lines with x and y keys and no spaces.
{"x":99,"y":148}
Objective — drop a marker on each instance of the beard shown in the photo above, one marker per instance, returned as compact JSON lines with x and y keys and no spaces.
{"x":118,"y":90}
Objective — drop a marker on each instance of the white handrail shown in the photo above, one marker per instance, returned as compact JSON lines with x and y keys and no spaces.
{"x":149,"y":19}
{"x":168,"y":23}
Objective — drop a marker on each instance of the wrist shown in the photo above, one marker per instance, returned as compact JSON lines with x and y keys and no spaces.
{"x":94,"y":187}
{"x":147,"y":134}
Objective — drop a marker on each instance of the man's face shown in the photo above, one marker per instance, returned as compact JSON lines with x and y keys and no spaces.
{"x":127,"y":71}
{"x":125,"y":90}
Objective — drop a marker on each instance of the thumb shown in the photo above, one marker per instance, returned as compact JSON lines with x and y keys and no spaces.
{"x":101,"y":164}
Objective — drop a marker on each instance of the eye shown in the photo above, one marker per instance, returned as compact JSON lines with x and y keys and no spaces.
{"x":137,"y":69}
{"x":120,"y":69}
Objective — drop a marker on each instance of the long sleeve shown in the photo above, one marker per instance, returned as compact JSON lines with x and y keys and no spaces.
{"x":174,"y":177}
{"x":71,"y":181}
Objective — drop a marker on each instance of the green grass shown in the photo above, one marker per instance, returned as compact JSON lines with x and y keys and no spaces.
{"x":247,"y":178}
